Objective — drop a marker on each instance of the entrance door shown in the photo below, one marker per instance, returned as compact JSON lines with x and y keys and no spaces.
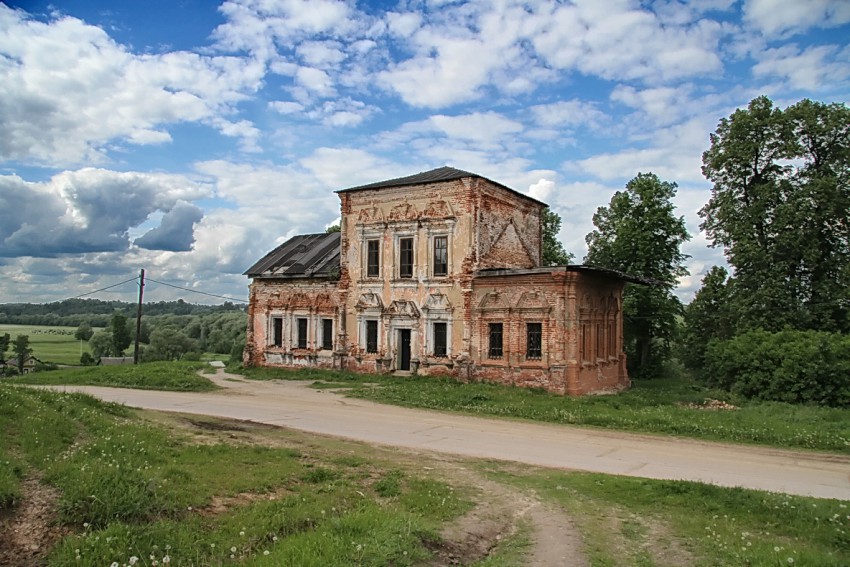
{"x":404,"y":349}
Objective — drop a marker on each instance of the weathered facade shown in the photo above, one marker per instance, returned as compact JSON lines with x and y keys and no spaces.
{"x":438,"y":273}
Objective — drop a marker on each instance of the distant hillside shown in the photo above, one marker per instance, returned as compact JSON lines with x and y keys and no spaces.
{"x":96,"y":312}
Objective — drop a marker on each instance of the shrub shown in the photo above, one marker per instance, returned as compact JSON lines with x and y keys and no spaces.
{"x":789,"y":366}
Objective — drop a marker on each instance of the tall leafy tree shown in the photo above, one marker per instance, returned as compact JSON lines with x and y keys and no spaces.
{"x":707,"y":317}
{"x":22,"y":351}
{"x":5,"y":340}
{"x":83,"y":332}
{"x":554,"y":253}
{"x":640,"y":234}
{"x":121,"y":336}
{"x":778,"y":208}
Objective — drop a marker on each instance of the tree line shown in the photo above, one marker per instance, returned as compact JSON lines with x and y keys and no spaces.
{"x":775,"y":325}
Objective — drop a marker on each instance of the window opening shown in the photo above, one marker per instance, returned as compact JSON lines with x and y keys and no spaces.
{"x":373,"y":259}
{"x":495,"y":350}
{"x":302,"y":333}
{"x":327,"y":334}
{"x":441,"y":256}
{"x":533,"y":341}
{"x":405,"y":258}
{"x":440,"y":339}
{"x":371,"y":336}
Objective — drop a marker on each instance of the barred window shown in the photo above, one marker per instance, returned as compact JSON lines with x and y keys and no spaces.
{"x":405,"y":269}
{"x":440,"y":339}
{"x":533,"y":341}
{"x":441,"y":255}
{"x":373,"y":258}
{"x":302,"y":333}
{"x":327,"y":334}
{"x":495,"y":350}
{"x":371,"y":336}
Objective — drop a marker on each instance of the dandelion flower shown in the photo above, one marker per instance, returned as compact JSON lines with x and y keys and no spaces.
{"x":134,"y":560}
{"x":233,"y":549}
{"x":166,"y":559}
{"x":266,"y":552}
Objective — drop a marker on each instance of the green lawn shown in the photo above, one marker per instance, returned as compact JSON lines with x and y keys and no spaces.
{"x":55,"y":345}
{"x":175,"y":376}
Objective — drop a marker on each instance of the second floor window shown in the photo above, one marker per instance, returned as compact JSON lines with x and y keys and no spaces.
{"x":373,"y":258}
{"x":371,"y":336}
{"x":405,"y":261}
{"x":533,"y":341}
{"x":495,"y":332}
{"x":327,"y":334}
{"x":302,"y":333}
{"x":441,"y":256}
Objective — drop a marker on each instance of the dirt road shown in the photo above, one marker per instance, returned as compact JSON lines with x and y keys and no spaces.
{"x":295,"y":405}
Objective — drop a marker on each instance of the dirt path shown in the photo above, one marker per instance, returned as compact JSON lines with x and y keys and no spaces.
{"x":28,"y":531}
{"x":294,"y":404}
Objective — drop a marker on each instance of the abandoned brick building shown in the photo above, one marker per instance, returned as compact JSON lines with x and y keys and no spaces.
{"x":438,"y":273}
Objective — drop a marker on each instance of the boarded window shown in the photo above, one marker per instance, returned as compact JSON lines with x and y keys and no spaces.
{"x":441,"y":255}
{"x":440,"y":339}
{"x":277,"y":331}
{"x":533,"y":341}
{"x":302,"y":333}
{"x":495,"y":332}
{"x":371,"y":336}
{"x":373,"y":258}
{"x":328,"y":334}
{"x":405,"y":263}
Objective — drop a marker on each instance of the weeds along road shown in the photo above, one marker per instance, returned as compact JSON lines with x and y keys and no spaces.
{"x":296,"y":405}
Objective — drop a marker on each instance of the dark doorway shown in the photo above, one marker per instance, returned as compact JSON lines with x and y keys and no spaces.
{"x":404,"y":349}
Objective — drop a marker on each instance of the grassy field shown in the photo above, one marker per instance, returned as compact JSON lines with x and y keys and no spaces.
{"x":55,"y":345}
{"x":679,"y":407}
{"x":176,"y":376}
{"x":192,"y":490}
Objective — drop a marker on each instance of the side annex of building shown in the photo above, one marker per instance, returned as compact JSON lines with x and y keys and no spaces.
{"x":438,"y":274}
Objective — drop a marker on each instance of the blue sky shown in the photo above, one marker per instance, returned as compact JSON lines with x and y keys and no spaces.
{"x":188,"y":138}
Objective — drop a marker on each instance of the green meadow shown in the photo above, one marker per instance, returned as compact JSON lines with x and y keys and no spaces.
{"x":51,"y":345}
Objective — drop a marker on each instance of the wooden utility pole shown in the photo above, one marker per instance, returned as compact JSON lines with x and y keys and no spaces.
{"x":139,"y":316}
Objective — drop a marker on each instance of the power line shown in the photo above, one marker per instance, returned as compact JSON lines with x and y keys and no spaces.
{"x":196,"y":291}
{"x":104,"y":289}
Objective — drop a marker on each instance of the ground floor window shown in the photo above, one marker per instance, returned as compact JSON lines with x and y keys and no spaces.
{"x":533,"y":341}
{"x":371,"y":336}
{"x":440,"y":342}
{"x":302,"y":333}
{"x":277,"y":331}
{"x":327,"y":334}
{"x":495,"y":343}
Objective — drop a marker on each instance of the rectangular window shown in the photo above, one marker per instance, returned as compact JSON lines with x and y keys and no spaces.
{"x":405,"y":261}
{"x":328,"y":334}
{"x":277,"y":331}
{"x":495,"y":350}
{"x":439,"y":339}
{"x":441,"y":255}
{"x":371,"y":336}
{"x":373,"y":258}
{"x":533,"y":341}
{"x":302,"y":333}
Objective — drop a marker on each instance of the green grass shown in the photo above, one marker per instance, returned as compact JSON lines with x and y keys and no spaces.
{"x":629,"y":521}
{"x":176,"y":376}
{"x":661,"y":406}
{"x":55,"y":345}
{"x":132,"y":488}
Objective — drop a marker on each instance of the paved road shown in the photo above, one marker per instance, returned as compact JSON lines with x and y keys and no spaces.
{"x":293,"y":404}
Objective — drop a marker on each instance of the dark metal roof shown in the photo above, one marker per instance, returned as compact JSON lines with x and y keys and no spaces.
{"x":444,"y":173}
{"x":306,"y":255}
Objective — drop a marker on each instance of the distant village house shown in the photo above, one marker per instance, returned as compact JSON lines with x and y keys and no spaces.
{"x":438,"y":273}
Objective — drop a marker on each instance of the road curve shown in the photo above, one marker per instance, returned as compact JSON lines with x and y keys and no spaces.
{"x":295,"y":405}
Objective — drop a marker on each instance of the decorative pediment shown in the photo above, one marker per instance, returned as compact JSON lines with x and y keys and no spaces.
{"x":493,"y":300}
{"x":369,"y":300}
{"x":402,"y":308}
{"x":532,"y":300}
{"x":299,"y":301}
{"x":438,"y":209}
{"x":370,"y":214}
{"x":404,"y":211}
{"x":324,"y":300}
{"x":437,"y":302}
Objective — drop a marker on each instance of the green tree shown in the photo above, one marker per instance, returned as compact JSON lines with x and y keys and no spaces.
{"x":707,"y":317}
{"x":121,"y":336}
{"x":5,"y":340}
{"x":83,"y":332}
{"x":333,"y":228}
{"x":22,"y":351}
{"x":778,"y":207}
{"x":101,"y":344}
{"x":638,"y":233}
{"x":169,"y":343}
{"x":554,"y":253}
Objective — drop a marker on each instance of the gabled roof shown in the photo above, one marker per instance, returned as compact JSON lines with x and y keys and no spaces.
{"x":586,"y":268}
{"x":444,"y":173}
{"x":306,"y":255}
